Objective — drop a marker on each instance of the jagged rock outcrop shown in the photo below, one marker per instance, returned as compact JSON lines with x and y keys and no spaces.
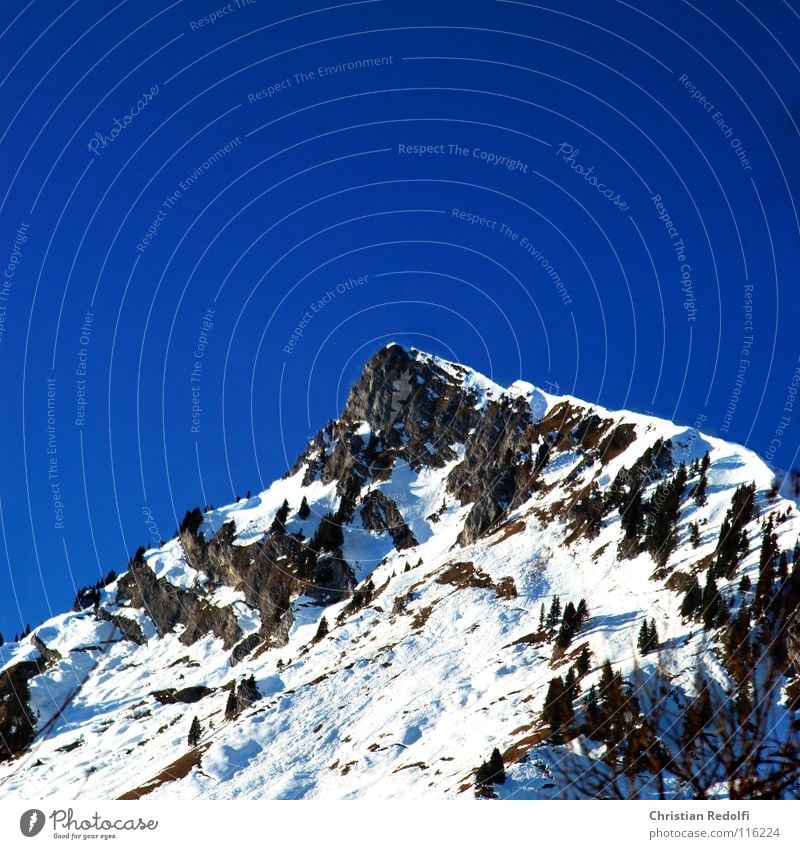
{"x":129,"y":628}
{"x":247,"y":645}
{"x":17,"y":722}
{"x":415,"y":411}
{"x":49,"y":656}
{"x":267,"y":572}
{"x":184,"y":696}
{"x":169,"y":606}
{"x":380,"y":513}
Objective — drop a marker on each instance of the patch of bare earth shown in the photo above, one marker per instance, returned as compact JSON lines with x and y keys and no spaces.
{"x":178,"y":769}
{"x":508,"y":530}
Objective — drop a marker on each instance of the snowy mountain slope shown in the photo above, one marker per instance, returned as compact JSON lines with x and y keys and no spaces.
{"x":463,"y":507}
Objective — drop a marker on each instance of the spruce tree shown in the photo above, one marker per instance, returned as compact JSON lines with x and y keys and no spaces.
{"x":328,"y":536}
{"x":693,"y":598}
{"x":648,"y":637}
{"x":322,"y":630}
{"x":558,"y":711}
{"x":305,"y":511}
{"x":792,"y":595}
{"x":631,"y":520}
{"x":572,"y":688}
{"x":568,"y":627}
{"x":582,"y":663}
{"x":592,"y":711}
{"x":700,"y":493}
{"x":783,"y":568}
{"x":195,"y":731}
{"x":279,"y":522}
{"x":555,"y":612}
{"x":663,"y":512}
{"x":490,"y":772}
{"x":232,"y":705}
{"x":766,"y":568}
{"x":732,"y":544}
{"x":643,"y":641}
{"x":711,"y":602}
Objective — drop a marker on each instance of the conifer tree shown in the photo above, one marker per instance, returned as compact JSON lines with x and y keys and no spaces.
{"x":732,"y":544}
{"x":663,"y":512}
{"x":711,"y":602}
{"x":766,"y":568}
{"x":693,"y":598}
{"x":648,"y":637}
{"x":700,"y":493}
{"x":279,"y":522}
{"x":195,"y":732}
{"x":322,"y":630}
{"x":232,"y":705}
{"x":558,"y":711}
{"x":631,"y":520}
{"x":792,"y":595}
{"x":490,"y":772}
{"x":555,"y":612}
{"x":592,"y":712}
{"x":328,"y":536}
{"x":572,"y":688}
{"x":736,"y":644}
{"x":305,"y":511}
{"x":644,"y":637}
{"x":569,"y":622}
{"x":583,"y":661}
{"x":783,"y":568}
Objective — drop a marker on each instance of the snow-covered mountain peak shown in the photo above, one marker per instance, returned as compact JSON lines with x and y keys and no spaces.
{"x":401,"y":602}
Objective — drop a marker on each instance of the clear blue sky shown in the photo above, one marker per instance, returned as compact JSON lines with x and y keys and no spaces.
{"x":578,"y":193}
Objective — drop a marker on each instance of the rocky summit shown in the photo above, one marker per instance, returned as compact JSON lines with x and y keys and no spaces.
{"x":459,"y":589}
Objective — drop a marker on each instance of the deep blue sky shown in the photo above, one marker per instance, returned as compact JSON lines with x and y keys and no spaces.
{"x":316,"y":191}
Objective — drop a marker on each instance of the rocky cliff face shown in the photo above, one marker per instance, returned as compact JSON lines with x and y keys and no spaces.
{"x":405,"y":556}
